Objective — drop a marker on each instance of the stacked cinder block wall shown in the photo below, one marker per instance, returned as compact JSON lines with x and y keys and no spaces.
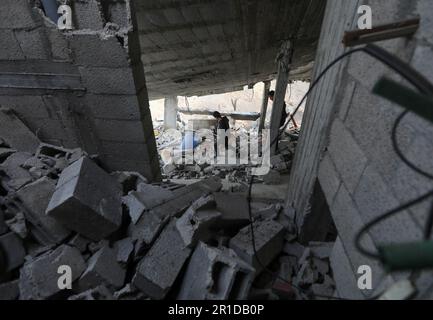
{"x":80,"y":88}
{"x":346,"y":146}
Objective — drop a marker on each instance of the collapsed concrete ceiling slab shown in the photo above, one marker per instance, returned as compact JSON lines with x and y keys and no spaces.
{"x":197,"y":47}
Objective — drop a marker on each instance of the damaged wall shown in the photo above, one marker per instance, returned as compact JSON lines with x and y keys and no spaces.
{"x":346,"y":143}
{"x":84,"y":87}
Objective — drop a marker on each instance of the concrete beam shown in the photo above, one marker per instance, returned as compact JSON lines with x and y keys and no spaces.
{"x":284,"y":66}
{"x":264,"y":105}
{"x":170,"y":112}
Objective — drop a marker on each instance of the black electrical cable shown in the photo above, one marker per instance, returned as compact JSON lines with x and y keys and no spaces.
{"x":312,"y":87}
{"x":382,"y":217}
{"x":262,"y":265}
{"x":415,"y":79}
{"x":398,"y":150}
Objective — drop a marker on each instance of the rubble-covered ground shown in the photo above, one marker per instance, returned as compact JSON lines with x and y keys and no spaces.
{"x":70,"y":230}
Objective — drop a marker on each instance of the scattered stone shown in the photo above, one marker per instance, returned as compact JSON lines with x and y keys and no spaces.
{"x":124,"y":249}
{"x":17,"y":225}
{"x":134,"y":205}
{"x":98,"y":293}
{"x":215,"y":274}
{"x":39,"y":277}
{"x":79,"y":242}
{"x":234,"y":209}
{"x":34,"y":199}
{"x":129,"y":292}
{"x":195,"y":223}
{"x":103,"y":268}
{"x":158,"y":270}
{"x":269,"y":237}
{"x":13,"y":251}
{"x":87,"y":200}
{"x":128,"y":180}
{"x":17,"y":176}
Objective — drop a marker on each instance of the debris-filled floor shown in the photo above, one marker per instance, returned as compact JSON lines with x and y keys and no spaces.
{"x":187,"y":237}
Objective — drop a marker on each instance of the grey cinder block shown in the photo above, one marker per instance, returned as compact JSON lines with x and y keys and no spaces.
{"x":269,"y":238}
{"x":35,"y":198}
{"x":103,"y":268}
{"x":87,"y":200}
{"x":39,"y":277}
{"x":195,"y":222}
{"x":215,"y":274}
{"x":158,"y":270}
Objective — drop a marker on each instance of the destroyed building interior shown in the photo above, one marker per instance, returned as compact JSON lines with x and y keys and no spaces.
{"x":91,"y":186}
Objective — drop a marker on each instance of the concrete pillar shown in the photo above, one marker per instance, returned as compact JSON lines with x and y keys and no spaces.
{"x":284,"y":63}
{"x":264,"y":105}
{"x":170,"y":112}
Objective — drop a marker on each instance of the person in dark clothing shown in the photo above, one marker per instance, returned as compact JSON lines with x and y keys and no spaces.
{"x":283,"y":112}
{"x":221,"y":124}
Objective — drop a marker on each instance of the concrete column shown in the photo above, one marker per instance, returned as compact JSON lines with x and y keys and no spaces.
{"x":264,"y":105}
{"x":284,"y":62}
{"x":170,"y":112}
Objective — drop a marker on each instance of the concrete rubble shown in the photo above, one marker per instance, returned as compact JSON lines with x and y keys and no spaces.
{"x":127,"y":239}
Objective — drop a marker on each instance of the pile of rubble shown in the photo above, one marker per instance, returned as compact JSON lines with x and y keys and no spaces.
{"x":236,"y":175}
{"x":70,"y":230}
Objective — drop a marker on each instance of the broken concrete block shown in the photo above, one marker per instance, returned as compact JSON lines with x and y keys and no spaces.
{"x":129,"y":180}
{"x":195,"y":223}
{"x":52,"y":152}
{"x":234,"y":209}
{"x":153,"y":196}
{"x":103,"y":268}
{"x":215,"y":274}
{"x":34,"y":199}
{"x":158,"y":270}
{"x":12,"y":250}
{"x":151,"y":222}
{"x":17,"y":225}
{"x":145,"y":198}
{"x":9,"y":290}
{"x":124,"y":248}
{"x":96,"y":246}
{"x":15,"y":132}
{"x":17,"y":175}
{"x":39,"y":277}
{"x":168,"y":168}
{"x":98,"y":293}
{"x":87,"y":200}
{"x":79,"y":242}
{"x":129,"y":292}
{"x":134,"y":205}
{"x":269,"y":237}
